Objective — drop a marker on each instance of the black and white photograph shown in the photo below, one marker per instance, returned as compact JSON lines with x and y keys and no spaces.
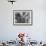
{"x":22,"y":17}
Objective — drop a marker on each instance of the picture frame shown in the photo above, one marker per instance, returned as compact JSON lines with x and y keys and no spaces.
{"x":22,"y":17}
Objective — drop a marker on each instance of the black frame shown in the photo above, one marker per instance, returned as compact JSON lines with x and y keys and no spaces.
{"x":24,"y":24}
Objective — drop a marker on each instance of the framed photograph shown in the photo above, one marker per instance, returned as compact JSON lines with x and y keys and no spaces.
{"x":22,"y":17}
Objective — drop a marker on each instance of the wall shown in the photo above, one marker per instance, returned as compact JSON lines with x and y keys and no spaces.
{"x":37,"y":31}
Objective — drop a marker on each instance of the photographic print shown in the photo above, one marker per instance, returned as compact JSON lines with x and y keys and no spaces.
{"x":22,"y":17}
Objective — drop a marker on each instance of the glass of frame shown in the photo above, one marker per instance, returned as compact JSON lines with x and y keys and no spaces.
{"x":22,"y":17}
